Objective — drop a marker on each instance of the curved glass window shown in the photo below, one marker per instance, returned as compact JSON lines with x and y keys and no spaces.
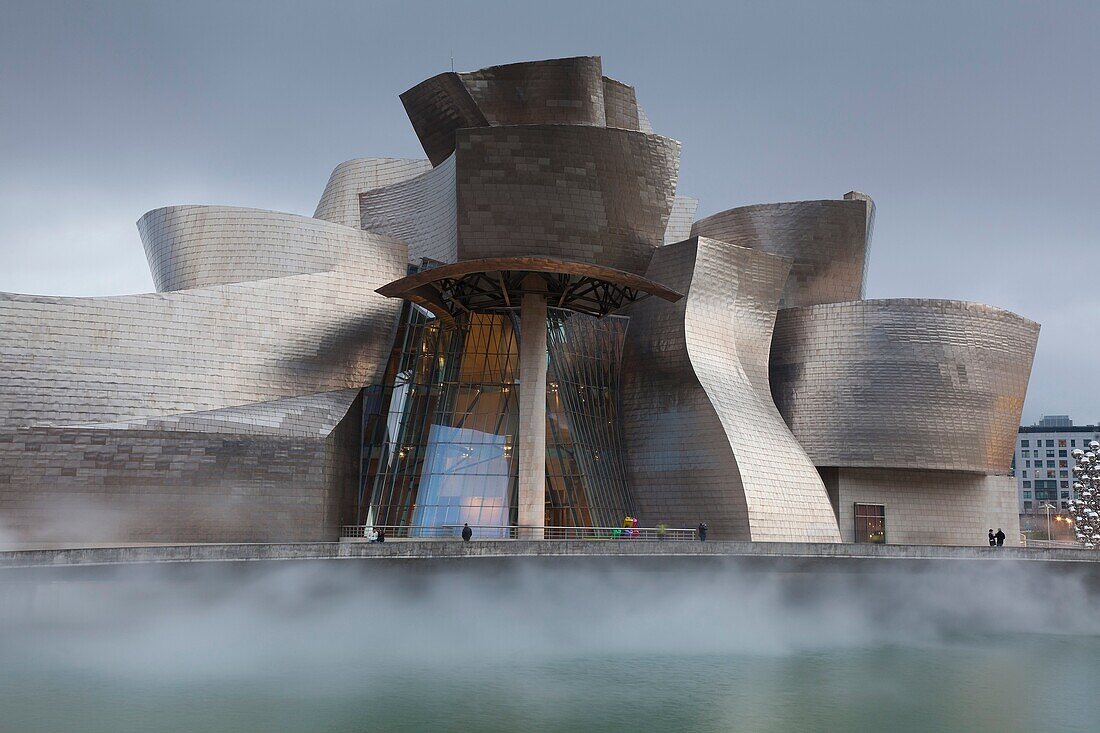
{"x":440,"y":437}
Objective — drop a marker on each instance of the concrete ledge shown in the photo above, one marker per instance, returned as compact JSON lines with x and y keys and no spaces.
{"x":450,"y":549}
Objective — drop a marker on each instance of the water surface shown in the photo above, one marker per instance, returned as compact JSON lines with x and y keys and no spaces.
{"x":316,"y":647}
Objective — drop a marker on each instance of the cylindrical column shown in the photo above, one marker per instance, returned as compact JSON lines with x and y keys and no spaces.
{"x":532,"y":415}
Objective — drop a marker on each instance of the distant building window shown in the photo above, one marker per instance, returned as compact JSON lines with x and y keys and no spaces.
{"x":1027,"y":506}
{"x":1050,"y":454}
{"x":871,"y":523}
{"x":1024,"y":444}
{"x":1073,"y":444}
{"x":1063,"y":474}
{"x":1027,"y":464}
{"x":1027,"y":484}
{"x":1027,"y":494}
{"x":1050,"y":444}
{"x":1063,"y":454}
{"x":1065,"y":494}
{"x":1062,"y":443}
{"x":1050,"y":473}
{"x":1065,"y":505}
{"x":1064,"y":484}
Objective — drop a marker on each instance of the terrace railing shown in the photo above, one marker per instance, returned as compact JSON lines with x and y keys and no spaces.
{"x":361,"y":532}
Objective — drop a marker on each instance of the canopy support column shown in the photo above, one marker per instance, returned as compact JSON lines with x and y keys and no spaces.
{"x":532,"y":416}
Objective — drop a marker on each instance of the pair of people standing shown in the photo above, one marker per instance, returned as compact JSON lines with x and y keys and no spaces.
{"x":996,"y":540}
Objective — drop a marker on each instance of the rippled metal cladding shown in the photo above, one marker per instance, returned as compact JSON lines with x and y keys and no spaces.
{"x":724,"y":370}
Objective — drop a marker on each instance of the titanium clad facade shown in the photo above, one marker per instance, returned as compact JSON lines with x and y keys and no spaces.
{"x":704,"y":441}
{"x":916,"y":384}
{"x":829,"y":242}
{"x":583,"y":194}
{"x":82,"y":361}
{"x":438,"y":108}
{"x":276,"y":387}
{"x":680,"y":219}
{"x":421,"y":211}
{"x":340,"y":201}
{"x":199,"y":246}
{"x":620,"y":105}
{"x":566,"y":91}
{"x":228,"y":412}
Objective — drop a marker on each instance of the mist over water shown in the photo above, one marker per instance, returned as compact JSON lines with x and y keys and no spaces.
{"x":567,"y":644}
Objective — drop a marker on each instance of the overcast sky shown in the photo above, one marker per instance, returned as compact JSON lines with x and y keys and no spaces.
{"x":974,"y":126}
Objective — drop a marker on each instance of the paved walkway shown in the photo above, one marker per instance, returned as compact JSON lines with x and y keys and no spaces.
{"x":450,"y":549}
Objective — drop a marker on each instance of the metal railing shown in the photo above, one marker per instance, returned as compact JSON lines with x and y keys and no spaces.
{"x":363,"y":532}
{"x":1052,"y":544}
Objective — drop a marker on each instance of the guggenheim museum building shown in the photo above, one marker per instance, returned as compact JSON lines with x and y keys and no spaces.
{"x":527,"y":329}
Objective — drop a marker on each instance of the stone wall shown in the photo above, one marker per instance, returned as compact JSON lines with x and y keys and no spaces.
{"x":101,"y":486}
{"x":931,"y":507}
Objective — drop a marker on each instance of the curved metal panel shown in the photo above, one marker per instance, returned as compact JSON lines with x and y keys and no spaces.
{"x":340,"y":201}
{"x":437,"y":108}
{"x":420,"y":211}
{"x":566,"y":91}
{"x":704,"y":440}
{"x":200,"y":246}
{"x":828,"y":241}
{"x":308,"y":416}
{"x":586,"y":194}
{"x":935,"y":384}
{"x":75,"y":361}
{"x":620,"y":105}
{"x":681,"y":218}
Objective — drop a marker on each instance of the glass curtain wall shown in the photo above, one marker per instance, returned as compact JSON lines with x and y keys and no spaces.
{"x":440,"y":436}
{"x":585,"y":470}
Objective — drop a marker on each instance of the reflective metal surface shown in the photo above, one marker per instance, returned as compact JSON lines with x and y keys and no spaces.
{"x":233,"y":400}
{"x":340,"y":201}
{"x":584,"y":194}
{"x":912,"y":383}
{"x":200,"y":246}
{"x":679,"y":221}
{"x":568,"y":91}
{"x":620,"y":105}
{"x":829,"y":242}
{"x":200,"y":414}
{"x":421,"y":211}
{"x":704,"y":441}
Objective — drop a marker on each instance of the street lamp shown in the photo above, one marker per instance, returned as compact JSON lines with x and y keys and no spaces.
{"x":1048,"y":506}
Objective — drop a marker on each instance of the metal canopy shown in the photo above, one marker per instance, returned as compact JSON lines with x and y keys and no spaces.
{"x":500,"y":283}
